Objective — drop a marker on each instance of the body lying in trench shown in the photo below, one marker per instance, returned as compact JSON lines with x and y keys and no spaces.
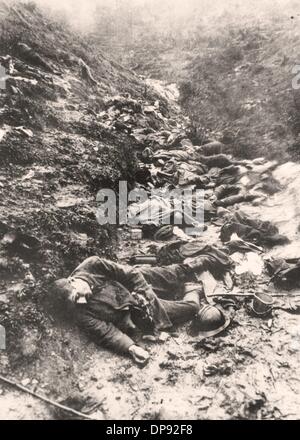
{"x":112,"y":302}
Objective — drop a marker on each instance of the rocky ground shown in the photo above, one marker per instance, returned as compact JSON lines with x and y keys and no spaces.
{"x":75,"y":138}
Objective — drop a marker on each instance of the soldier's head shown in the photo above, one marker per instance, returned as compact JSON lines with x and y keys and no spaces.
{"x":73,"y":290}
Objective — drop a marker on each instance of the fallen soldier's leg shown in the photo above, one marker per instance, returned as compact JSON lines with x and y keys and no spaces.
{"x":169,"y":280}
{"x":183,"y":311}
{"x":180,"y":312}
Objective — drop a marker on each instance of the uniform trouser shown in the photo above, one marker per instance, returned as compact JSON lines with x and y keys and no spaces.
{"x":170,"y":282}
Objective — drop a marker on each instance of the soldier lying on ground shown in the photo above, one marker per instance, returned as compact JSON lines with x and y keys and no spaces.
{"x":112,"y":301}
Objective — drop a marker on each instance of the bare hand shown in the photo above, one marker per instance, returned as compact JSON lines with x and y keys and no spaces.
{"x":139,"y":355}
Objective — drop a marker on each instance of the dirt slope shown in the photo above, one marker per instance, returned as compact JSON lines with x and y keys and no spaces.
{"x":74,"y":141}
{"x":235,"y":67}
{"x":61,"y":140}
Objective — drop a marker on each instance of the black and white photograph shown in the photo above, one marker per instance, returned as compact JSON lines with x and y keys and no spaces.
{"x":149,"y":212}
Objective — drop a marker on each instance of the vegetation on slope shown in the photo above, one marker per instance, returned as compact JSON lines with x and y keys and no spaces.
{"x":234,"y":63}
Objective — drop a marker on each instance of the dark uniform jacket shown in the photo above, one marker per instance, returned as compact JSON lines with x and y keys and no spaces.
{"x":112,"y":286}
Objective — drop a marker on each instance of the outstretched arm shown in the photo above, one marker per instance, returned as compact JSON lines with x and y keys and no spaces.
{"x":109,"y":336}
{"x":104,"y":333}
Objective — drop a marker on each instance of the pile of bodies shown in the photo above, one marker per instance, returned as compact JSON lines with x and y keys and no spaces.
{"x":229,"y":185}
